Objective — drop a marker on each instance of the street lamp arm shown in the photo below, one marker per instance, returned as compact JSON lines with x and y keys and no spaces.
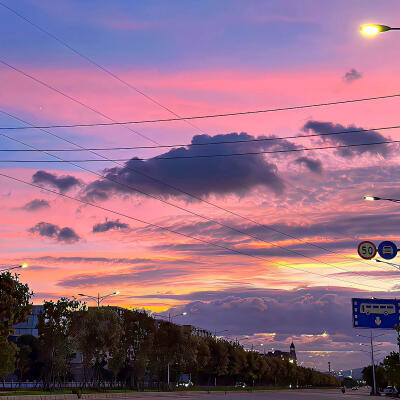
{"x":23,"y":266}
{"x":88,"y":296}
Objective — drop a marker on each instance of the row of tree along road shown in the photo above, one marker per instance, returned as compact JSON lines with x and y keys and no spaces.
{"x":102,"y":347}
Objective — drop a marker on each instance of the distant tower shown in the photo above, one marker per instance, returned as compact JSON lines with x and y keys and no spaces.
{"x":293,"y":352}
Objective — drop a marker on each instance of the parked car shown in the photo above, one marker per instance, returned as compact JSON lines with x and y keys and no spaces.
{"x":186,"y":384}
{"x":240,"y":385}
{"x":354,"y":388}
{"x":390,"y":391}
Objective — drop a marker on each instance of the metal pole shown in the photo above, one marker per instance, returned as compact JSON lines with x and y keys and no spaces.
{"x":373,"y":365}
{"x":98,"y":300}
{"x":329,"y":366}
{"x":168,"y":375}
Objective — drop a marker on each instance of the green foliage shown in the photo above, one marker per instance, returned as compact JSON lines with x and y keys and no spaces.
{"x":97,"y":333}
{"x":8,"y":353}
{"x":56,"y":348}
{"x":33,"y":367}
{"x":14,"y":302}
{"x":391,"y":365}
{"x":381,"y":379}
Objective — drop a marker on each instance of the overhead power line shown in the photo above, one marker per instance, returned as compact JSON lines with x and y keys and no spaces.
{"x":152,"y":178}
{"x":179,"y":207}
{"x":241,"y":141}
{"x":210,"y":155}
{"x":168,"y":229}
{"x":99,"y":66}
{"x":37,"y":80}
{"x":150,"y":121}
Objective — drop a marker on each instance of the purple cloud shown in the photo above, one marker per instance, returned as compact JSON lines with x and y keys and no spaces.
{"x":36,"y":204}
{"x":110,"y":225}
{"x":351,"y":138}
{"x":62,"y":183}
{"x":219,"y":175}
{"x":46,"y":229}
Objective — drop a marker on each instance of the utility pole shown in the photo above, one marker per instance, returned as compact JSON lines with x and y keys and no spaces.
{"x":329,"y":366}
{"x":373,"y":364}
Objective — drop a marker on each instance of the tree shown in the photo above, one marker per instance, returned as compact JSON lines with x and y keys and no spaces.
{"x":137,"y":342}
{"x":56,"y":348}
{"x":219,"y":360}
{"x":34,"y":366}
{"x":24,"y":360}
{"x":14,"y":302}
{"x":8,"y":353}
{"x":391,"y":365}
{"x":381,"y":381}
{"x":97,"y":333}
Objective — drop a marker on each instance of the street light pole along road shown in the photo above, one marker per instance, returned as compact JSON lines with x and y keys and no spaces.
{"x":99,"y":298}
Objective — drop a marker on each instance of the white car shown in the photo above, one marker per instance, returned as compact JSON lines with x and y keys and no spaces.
{"x":390,"y":390}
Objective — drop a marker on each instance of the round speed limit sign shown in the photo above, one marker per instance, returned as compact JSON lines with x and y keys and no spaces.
{"x":367,"y":250}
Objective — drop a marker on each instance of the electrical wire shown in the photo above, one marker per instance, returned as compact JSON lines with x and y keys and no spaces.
{"x":212,"y":155}
{"x":37,"y":80}
{"x":179,"y":207}
{"x":186,"y":210}
{"x":168,"y":229}
{"x":258,"y":140}
{"x":97,"y":65}
{"x":128,"y":167}
{"x":187,"y":118}
{"x":156,"y":102}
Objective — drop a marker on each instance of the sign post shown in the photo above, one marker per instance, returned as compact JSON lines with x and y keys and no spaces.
{"x":367,"y":250}
{"x":376,"y":313}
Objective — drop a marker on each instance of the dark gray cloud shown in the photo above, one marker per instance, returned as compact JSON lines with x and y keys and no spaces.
{"x":109,"y":225}
{"x":219,"y":175}
{"x":350,"y":138}
{"x":286,"y":312}
{"x":314,"y":165}
{"x":46,"y":229}
{"x":36,"y":204}
{"x":62,"y":183}
{"x":352,"y":75}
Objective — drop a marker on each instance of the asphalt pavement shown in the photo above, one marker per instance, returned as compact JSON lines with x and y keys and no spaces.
{"x":313,"y":394}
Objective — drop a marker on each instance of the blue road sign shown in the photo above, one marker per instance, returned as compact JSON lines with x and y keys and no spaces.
{"x":387,"y":250}
{"x":376,"y":313}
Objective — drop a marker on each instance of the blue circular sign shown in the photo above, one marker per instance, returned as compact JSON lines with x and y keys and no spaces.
{"x":387,"y":250}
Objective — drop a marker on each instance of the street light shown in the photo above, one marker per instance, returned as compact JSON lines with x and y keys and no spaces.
{"x":374,"y":29}
{"x":99,"y":298}
{"x":374,"y":198}
{"x":170,"y":317}
{"x":23,"y":266}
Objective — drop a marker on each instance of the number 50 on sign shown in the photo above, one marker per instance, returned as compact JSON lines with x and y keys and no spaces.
{"x":367,"y":250}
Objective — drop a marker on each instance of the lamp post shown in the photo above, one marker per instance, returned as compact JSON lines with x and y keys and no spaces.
{"x":22,"y":266}
{"x":375,"y":29}
{"x":170,"y":316}
{"x":99,"y":298}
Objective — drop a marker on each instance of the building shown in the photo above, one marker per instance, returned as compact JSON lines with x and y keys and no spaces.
{"x":29,"y":327}
{"x":284,"y":355}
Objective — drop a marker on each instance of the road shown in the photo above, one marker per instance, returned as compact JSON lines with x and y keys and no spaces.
{"x":314,"y":394}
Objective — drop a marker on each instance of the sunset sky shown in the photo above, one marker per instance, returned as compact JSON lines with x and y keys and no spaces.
{"x":262,"y":245}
